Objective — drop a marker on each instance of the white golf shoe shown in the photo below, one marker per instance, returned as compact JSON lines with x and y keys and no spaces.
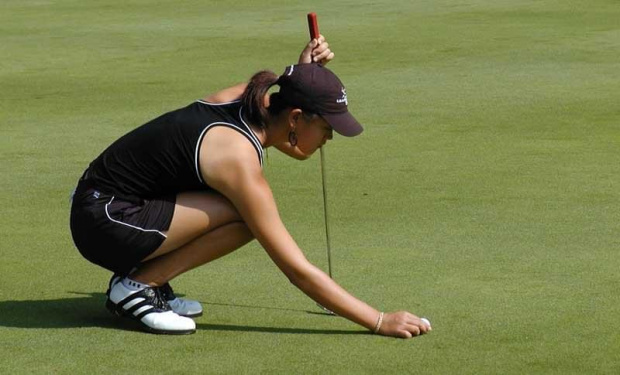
{"x":181,"y":306}
{"x":147,"y":307}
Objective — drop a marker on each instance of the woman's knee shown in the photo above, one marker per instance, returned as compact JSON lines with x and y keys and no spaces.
{"x":195,"y":214}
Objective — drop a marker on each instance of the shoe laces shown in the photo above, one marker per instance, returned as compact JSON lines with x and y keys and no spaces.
{"x":156,"y":299}
{"x":161,"y":301}
{"x":166,"y":292}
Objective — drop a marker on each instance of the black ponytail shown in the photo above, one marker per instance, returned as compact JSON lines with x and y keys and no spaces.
{"x":253,"y":98}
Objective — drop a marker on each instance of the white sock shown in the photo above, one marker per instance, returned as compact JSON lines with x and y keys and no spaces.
{"x":132,"y":284}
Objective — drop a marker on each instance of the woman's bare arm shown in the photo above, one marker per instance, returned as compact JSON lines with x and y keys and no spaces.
{"x":227,"y":95}
{"x":315,"y":51}
{"x":232,"y":168}
{"x":234,"y":171}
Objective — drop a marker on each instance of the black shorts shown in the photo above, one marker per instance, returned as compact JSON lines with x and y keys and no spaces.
{"x":116,"y":233}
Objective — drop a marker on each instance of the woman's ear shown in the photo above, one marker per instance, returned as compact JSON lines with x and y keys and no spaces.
{"x":293,"y":117}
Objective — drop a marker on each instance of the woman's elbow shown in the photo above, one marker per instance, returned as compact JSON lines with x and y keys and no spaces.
{"x":302,"y":276}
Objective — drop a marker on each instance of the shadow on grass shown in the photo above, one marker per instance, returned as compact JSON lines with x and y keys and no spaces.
{"x":263,"y":307}
{"x":81,"y":312}
{"x":87,"y":310}
{"x":305,"y":331}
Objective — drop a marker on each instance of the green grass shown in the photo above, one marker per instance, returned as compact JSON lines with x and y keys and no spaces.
{"x":483,"y":194}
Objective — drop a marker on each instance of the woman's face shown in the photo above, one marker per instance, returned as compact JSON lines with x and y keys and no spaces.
{"x":312,"y":133}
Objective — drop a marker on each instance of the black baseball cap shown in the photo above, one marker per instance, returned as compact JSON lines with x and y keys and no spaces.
{"x":315,"y":88}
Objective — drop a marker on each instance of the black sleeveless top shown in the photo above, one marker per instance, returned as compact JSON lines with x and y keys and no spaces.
{"x":160,"y":157}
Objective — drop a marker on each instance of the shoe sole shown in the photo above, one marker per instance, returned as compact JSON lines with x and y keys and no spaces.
{"x":111,"y":306}
{"x":112,"y":309}
{"x":196,"y":315}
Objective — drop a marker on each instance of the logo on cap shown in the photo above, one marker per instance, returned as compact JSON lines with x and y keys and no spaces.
{"x":316,"y":89}
{"x":344,"y":98}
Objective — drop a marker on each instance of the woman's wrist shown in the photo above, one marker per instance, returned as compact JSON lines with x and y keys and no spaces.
{"x":379,"y":322}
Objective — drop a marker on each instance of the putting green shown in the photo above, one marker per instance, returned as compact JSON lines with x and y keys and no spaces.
{"x":483,"y":193}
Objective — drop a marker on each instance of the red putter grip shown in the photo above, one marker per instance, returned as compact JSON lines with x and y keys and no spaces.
{"x":313,"y":26}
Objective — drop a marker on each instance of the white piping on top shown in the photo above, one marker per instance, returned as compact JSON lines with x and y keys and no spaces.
{"x":254,"y":137}
{"x":209,"y":103}
{"x":233,"y":126}
{"x":247,"y":132}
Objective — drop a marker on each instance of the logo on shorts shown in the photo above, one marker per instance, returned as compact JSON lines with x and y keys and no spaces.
{"x":96,"y":194}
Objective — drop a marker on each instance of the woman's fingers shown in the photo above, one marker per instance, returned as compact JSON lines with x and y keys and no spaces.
{"x":322,"y":53}
{"x":319,"y":54}
{"x":405,"y":325}
{"x":306,"y":54}
{"x":318,"y":51}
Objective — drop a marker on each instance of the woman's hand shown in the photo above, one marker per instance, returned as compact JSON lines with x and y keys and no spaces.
{"x":317,"y":50}
{"x":403,"y":324}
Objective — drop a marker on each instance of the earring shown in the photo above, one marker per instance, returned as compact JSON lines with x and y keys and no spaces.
{"x":292,"y":138}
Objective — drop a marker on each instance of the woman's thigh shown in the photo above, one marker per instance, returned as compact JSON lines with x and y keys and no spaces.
{"x":196,"y":213}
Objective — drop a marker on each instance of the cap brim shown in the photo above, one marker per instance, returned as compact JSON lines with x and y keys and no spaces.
{"x":343,"y":123}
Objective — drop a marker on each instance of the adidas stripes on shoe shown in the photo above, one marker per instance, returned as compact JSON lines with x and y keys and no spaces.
{"x":181,"y":306}
{"x":147,"y":307}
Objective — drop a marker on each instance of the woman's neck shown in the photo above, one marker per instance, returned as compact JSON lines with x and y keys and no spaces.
{"x":275,"y":130}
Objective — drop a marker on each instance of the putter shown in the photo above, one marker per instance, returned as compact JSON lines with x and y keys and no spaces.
{"x":325,"y":211}
{"x":313,"y":27}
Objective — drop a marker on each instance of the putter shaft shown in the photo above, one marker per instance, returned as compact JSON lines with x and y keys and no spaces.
{"x":325,"y":211}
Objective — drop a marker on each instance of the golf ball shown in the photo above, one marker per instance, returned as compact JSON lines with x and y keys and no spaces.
{"x":426,"y":321}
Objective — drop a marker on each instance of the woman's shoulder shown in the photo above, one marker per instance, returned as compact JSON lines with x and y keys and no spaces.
{"x":224,"y":151}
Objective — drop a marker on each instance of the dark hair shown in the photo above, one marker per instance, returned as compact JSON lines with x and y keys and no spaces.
{"x":253,"y":99}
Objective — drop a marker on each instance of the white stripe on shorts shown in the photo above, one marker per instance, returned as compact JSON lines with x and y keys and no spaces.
{"x":129,"y":225}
